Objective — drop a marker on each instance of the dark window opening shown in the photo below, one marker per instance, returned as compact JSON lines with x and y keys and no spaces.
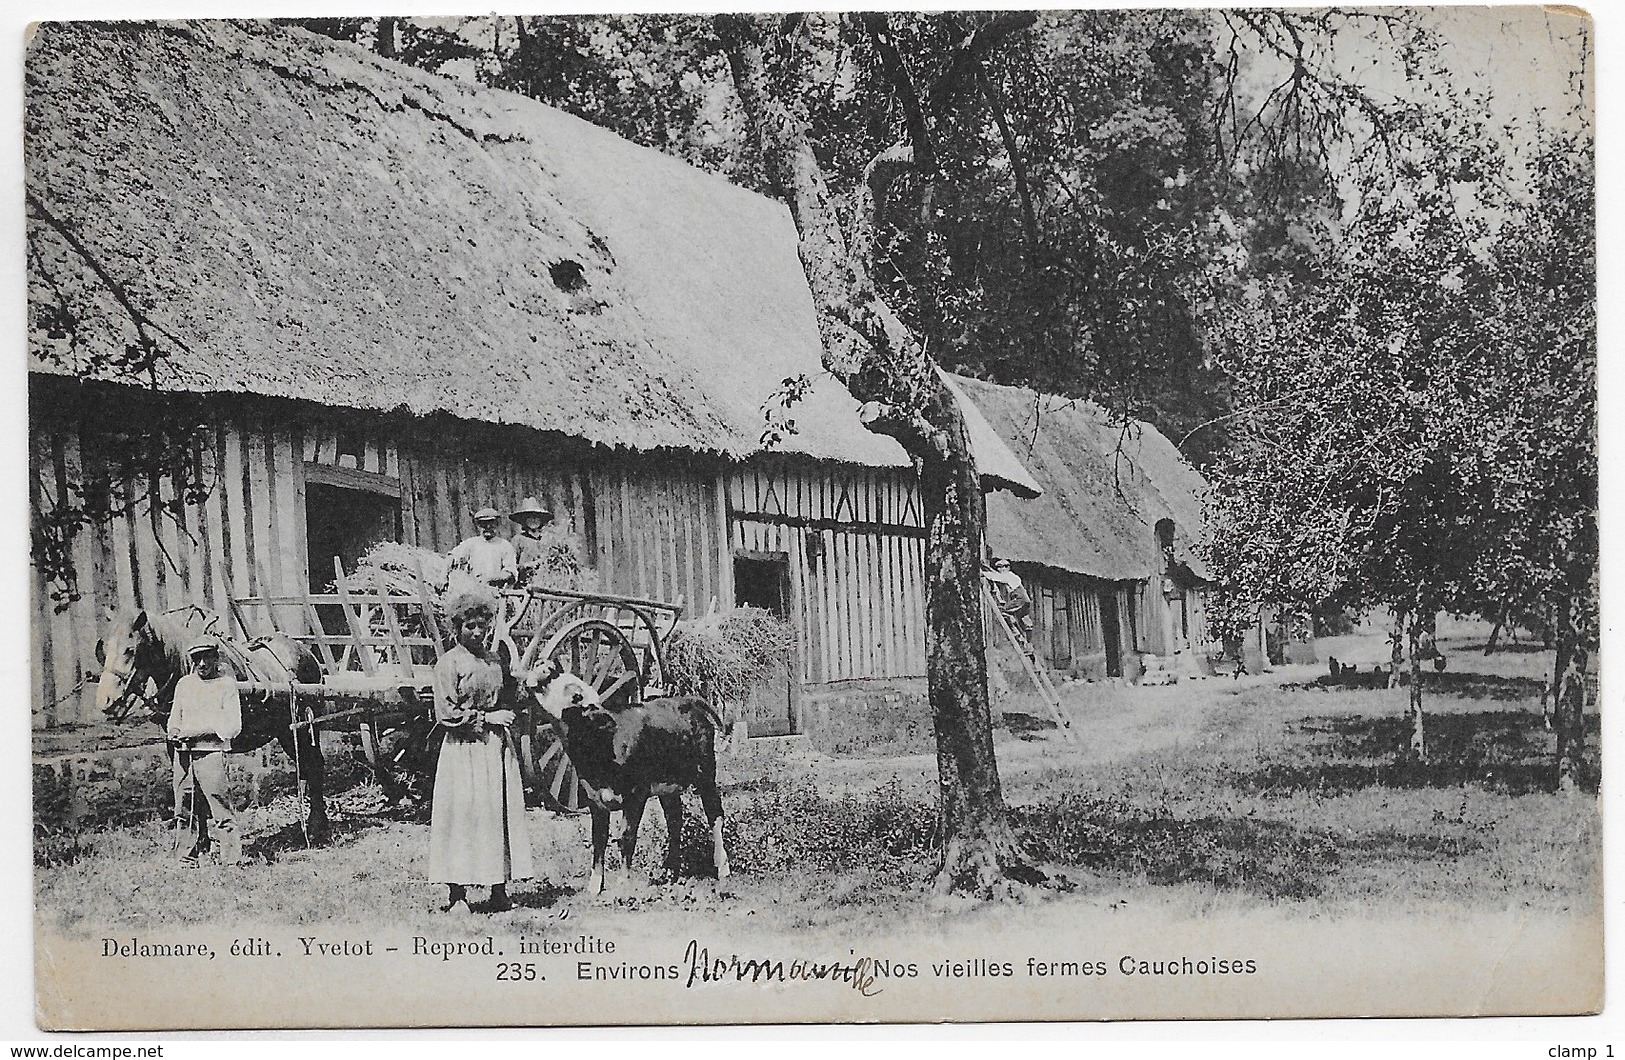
{"x":763,"y":583}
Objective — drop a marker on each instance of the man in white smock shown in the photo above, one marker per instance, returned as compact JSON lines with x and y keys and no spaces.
{"x":487,"y":556}
{"x":207,"y":715}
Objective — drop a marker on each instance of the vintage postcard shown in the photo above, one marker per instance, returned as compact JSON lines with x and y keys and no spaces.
{"x":1068,"y":516}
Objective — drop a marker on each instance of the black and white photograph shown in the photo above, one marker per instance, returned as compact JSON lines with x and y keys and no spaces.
{"x":1067,"y":515}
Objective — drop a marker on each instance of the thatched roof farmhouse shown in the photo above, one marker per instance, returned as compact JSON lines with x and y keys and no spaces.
{"x":405,"y":241}
{"x":1112,"y":532}
{"x":402,"y":298}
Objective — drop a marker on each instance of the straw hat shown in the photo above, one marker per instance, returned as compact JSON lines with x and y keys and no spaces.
{"x":487,"y":515}
{"x":531,"y":505}
{"x":203,"y":646}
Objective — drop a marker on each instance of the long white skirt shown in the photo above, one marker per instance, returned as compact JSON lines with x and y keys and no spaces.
{"x":477,"y":831}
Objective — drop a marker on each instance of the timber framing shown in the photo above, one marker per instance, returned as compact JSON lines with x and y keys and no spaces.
{"x":838,"y":526}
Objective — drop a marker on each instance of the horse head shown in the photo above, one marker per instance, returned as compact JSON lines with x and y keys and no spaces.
{"x":132,"y":654}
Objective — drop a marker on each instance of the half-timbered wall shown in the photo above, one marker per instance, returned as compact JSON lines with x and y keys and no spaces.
{"x":1189,"y":614}
{"x":1066,"y":622}
{"x":449,"y":475}
{"x":659,"y":526}
{"x":855,"y":546}
{"x":1151,"y":616}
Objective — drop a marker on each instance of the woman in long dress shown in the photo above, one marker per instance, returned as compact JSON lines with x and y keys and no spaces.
{"x":477,"y":830}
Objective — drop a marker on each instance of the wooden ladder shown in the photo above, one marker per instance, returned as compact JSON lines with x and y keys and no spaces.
{"x":1036,"y":674}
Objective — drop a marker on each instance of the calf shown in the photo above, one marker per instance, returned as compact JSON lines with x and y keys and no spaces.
{"x":626,"y":755}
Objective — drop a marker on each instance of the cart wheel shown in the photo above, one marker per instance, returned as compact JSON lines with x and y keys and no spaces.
{"x":601,"y":654}
{"x":557,"y":784}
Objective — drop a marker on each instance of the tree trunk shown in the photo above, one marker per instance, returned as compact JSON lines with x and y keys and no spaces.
{"x":885,"y":367}
{"x":1419,"y":748}
{"x":385,"y":43}
{"x":1495,"y":633}
{"x":1396,"y":649}
{"x":1568,"y":716}
{"x":980,"y":850}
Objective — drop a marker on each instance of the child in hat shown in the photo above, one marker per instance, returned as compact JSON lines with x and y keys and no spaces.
{"x":528,"y":545}
{"x":488,"y":557}
{"x":207,"y":715}
{"x":477,"y":828}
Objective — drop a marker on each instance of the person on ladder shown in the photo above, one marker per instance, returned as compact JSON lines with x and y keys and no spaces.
{"x":1013,"y":600}
{"x":206,"y":717}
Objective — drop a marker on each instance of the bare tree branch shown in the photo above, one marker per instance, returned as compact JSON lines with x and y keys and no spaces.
{"x":144,"y":324}
{"x":1018,"y":167}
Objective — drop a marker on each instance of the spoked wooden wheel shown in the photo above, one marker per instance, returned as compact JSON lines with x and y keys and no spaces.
{"x":601,"y":655}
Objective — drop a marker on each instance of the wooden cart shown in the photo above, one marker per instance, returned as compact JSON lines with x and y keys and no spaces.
{"x":616,"y":643}
{"x":378,"y":650}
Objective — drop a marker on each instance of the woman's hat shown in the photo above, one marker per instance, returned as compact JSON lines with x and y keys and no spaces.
{"x":487,"y":515}
{"x":203,"y":646}
{"x":531,"y":506}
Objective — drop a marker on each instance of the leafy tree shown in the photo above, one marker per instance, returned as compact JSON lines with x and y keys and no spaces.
{"x":1532,"y":416}
{"x":1090,"y":162}
{"x":1347,"y":482}
{"x":883,"y":361}
{"x":1418,"y":409}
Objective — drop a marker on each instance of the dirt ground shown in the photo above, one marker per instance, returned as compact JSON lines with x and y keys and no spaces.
{"x":1277,"y":795}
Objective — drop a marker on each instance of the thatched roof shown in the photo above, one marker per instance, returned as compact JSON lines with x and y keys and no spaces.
{"x":308,"y":220}
{"x":1105,"y":488}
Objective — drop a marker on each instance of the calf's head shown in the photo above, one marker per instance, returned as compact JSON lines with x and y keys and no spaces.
{"x":568,"y":697}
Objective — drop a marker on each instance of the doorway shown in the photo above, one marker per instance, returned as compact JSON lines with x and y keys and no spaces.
{"x":345,"y":522}
{"x":1111,"y":631}
{"x":762,"y":579}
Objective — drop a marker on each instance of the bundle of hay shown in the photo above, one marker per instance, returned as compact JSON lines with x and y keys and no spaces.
{"x":393,"y":568}
{"x":562,"y":564}
{"x":724,"y":655}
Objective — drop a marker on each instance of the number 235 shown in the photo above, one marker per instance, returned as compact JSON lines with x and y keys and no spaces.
{"x":516,"y":973}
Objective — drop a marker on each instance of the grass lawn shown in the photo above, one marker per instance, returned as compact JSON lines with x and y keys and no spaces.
{"x":1268,"y":793}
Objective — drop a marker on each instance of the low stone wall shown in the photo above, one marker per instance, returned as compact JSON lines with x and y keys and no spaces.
{"x":112,"y":785}
{"x":868,"y":718}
